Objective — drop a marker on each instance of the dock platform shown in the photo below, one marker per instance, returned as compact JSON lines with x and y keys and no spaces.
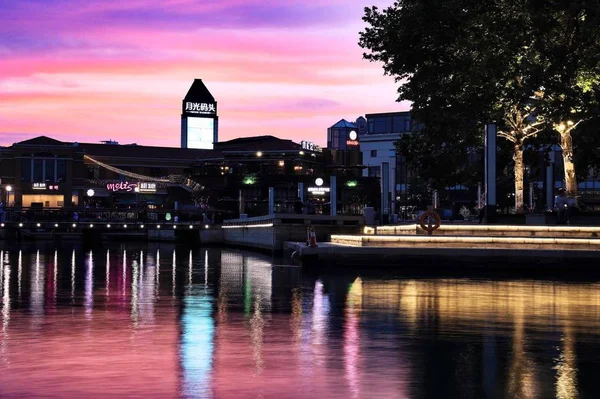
{"x":436,"y":251}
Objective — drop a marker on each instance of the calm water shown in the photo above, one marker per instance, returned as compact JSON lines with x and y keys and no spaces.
{"x":144,"y":321}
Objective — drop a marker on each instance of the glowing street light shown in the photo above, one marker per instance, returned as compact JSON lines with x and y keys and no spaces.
{"x":8,"y":190}
{"x":90,"y":192}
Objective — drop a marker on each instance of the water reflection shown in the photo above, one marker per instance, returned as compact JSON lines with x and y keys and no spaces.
{"x":5,"y":287}
{"x":164,"y":321}
{"x":352,"y":337}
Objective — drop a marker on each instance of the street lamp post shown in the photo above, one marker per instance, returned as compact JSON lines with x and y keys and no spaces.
{"x":8,"y":191}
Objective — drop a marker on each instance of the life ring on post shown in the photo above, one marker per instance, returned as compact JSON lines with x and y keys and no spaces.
{"x":430,"y":221}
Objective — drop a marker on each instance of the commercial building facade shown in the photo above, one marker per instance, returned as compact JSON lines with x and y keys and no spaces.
{"x":378,"y":147}
{"x":46,"y":173}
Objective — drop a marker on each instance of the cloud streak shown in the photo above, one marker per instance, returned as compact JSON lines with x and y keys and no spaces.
{"x":119,"y":69}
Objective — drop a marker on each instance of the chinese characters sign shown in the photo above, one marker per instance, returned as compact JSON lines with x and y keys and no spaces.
{"x":200,"y":108}
{"x":147,"y":187}
{"x":44,"y":186}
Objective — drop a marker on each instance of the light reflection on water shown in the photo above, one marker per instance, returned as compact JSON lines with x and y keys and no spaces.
{"x":134,"y":321}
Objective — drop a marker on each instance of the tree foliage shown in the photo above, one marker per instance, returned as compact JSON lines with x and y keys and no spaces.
{"x":521,"y":63}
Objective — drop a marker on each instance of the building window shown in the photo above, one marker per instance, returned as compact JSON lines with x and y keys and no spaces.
{"x":38,"y":170}
{"x":374,"y":171}
{"x":61,"y":170}
{"x":373,"y":153}
{"x":401,"y":124}
{"x":380,"y":126}
{"x":26,"y":170}
{"x":49,"y":171}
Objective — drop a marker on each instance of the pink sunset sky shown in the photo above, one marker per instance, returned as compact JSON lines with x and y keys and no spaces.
{"x":106,"y":69}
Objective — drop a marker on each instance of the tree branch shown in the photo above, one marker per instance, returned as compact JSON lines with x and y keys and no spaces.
{"x":508,"y":136}
{"x":536,"y":131}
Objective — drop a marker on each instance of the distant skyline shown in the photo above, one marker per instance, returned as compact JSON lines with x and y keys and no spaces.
{"x":118,"y":70}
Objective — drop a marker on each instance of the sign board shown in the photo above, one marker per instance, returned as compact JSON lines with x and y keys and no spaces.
{"x":44,"y":186}
{"x":127,"y":187}
{"x":310,"y":146}
{"x":121,"y":186}
{"x":352,"y":139}
{"x":147,"y":187}
{"x":319,"y":190}
{"x":200,"y":108}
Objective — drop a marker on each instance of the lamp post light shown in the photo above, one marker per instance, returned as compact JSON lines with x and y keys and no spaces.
{"x":8,"y":191}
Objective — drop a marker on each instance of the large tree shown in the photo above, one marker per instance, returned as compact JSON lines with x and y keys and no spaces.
{"x":567,"y":42}
{"x":479,"y":61}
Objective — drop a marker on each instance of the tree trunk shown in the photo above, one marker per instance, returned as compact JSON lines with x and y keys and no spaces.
{"x":566,"y":143}
{"x":518,"y":158}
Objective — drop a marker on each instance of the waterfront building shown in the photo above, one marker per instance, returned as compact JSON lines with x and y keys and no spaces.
{"x":46,"y":173}
{"x":343,"y":135}
{"x":199,"y":118}
{"x":343,"y":147}
{"x":381,"y":160}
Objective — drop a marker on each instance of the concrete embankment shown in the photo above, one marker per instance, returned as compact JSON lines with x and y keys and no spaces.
{"x":271,"y":232}
{"x":457,"y":246}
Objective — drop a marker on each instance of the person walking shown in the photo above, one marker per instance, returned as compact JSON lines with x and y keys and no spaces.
{"x":560,"y":205}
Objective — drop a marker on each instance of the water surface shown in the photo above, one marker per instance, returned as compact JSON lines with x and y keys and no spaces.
{"x":166,"y":321}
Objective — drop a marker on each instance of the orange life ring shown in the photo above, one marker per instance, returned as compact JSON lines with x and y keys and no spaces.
{"x":433,"y":215}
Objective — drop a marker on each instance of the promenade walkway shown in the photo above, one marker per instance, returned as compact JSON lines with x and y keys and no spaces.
{"x":484,"y":245}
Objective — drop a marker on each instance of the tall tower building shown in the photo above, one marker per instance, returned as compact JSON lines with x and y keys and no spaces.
{"x":199,"y":120}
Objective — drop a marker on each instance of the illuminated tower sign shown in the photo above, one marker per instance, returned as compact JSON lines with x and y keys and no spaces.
{"x":199,"y":120}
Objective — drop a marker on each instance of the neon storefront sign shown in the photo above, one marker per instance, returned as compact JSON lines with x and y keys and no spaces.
{"x":127,"y":187}
{"x":122,"y":186}
{"x":319,"y":190}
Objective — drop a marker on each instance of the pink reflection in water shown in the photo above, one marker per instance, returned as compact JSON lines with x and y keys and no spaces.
{"x":72,"y":358}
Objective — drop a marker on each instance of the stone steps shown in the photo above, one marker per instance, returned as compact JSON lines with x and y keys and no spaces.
{"x":578,"y":232}
{"x":418,"y":241}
